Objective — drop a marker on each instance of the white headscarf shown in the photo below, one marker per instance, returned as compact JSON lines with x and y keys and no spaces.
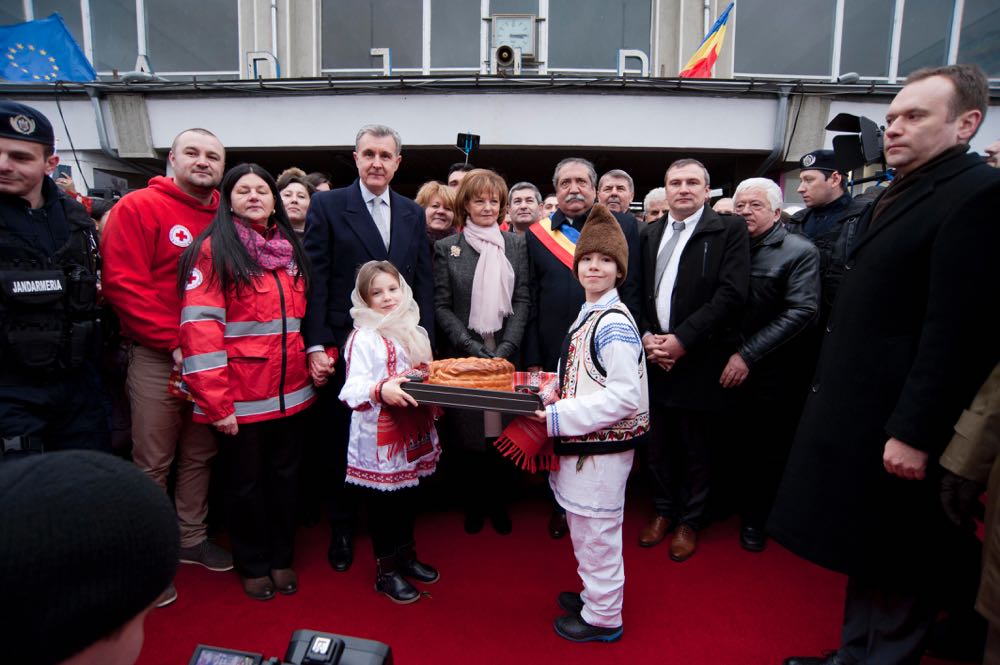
{"x":402,"y":324}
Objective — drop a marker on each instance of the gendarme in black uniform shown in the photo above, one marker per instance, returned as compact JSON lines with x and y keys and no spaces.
{"x":833,"y":228}
{"x":49,"y":330}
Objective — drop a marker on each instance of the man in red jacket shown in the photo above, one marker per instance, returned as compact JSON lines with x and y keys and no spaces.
{"x":142,"y":243}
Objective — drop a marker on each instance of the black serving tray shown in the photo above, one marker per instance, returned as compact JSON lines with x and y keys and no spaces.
{"x":473,"y":398}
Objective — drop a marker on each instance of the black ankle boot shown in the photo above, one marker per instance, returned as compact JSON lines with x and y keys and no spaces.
{"x":391,"y":583}
{"x":406,"y":560}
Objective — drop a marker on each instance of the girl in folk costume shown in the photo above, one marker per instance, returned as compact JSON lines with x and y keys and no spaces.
{"x":602,"y":410}
{"x":392,"y":442}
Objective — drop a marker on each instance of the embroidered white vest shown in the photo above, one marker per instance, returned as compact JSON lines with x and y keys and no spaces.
{"x":585,"y":376}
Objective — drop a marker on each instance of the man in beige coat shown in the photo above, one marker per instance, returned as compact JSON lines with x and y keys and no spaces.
{"x":974,"y":456}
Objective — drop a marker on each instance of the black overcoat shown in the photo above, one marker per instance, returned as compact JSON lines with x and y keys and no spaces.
{"x":912,"y":336}
{"x":556,"y":294}
{"x":707,"y":302}
{"x":341,"y":237}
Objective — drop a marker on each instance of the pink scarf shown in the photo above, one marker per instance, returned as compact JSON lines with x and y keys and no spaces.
{"x":271,"y":254}
{"x":493,"y":283}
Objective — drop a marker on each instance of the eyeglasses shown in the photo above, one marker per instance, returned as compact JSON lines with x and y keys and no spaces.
{"x":756,"y":206}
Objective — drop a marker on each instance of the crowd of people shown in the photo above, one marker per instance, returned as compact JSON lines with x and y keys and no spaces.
{"x":812,"y":366}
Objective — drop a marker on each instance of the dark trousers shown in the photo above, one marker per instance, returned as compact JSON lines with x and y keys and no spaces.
{"x":62,"y":412}
{"x":679,"y":463}
{"x":261,"y":463}
{"x":487,"y":480}
{"x":762,"y":428}
{"x":884,"y":626}
{"x":391,"y":516}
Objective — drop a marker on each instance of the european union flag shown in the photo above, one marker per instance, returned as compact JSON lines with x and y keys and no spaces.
{"x":38,"y":51}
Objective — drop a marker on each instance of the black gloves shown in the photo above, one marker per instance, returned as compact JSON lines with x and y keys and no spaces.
{"x":474,"y":348}
{"x":960,"y":498}
{"x":506,"y":350}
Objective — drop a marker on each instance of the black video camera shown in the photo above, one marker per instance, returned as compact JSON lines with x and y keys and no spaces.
{"x":862,"y":148}
{"x":307,"y":647}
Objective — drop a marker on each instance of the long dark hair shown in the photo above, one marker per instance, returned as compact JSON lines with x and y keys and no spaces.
{"x":231,"y":263}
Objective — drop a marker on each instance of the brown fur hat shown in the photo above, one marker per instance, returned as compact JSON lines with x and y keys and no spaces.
{"x":602,"y":233}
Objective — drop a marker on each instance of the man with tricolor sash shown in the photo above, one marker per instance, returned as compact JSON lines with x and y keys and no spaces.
{"x":556,"y":295}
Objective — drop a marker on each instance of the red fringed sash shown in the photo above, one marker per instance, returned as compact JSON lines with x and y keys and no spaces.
{"x":406,"y":429}
{"x":525,"y":441}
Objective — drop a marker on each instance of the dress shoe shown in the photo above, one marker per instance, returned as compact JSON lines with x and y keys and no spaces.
{"x":558,"y":527}
{"x":684,"y":543}
{"x":341,"y":552}
{"x":474,"y":522}
{"x":258,"y":588}
{"x":655,"y":531}
{"x":571,"y":602}
{"x":285,"y":580}
{"x":500,"y":519}
{"x":831,"y":658}
{"x":410,"y":567}
{"x":575,"y":629}
{"x":753,"y":539}
{"x":391,"y":583}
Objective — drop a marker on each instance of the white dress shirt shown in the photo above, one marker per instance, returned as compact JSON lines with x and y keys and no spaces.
{"x":382,"y":200}
{"x":665,"y":294}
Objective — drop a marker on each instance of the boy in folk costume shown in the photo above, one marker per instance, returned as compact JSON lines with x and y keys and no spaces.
{"x":604,"y":408}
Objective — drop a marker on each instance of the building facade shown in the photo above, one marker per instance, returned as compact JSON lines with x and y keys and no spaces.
{"x":288,"y":82}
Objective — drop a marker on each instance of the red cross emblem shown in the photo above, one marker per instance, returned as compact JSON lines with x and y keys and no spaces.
{"x":180,"y":236}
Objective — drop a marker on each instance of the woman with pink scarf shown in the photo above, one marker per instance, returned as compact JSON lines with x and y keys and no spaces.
{"x":481,"y":303}
{"x":243,"y":285}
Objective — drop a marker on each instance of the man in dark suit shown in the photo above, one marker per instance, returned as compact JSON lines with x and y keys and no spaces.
{"x":910,"y":339}
{"x":346,"y":228}
{"x":556,"y":294}
{"x":696,"y":267}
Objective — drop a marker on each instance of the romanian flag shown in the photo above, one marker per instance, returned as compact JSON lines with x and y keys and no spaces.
{"x":701,"y":63}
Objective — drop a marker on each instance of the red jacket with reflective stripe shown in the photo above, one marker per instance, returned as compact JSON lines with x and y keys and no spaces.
{"x":242,"y":351}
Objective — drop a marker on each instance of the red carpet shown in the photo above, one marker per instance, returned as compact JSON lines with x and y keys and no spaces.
{"x":496,"y":601}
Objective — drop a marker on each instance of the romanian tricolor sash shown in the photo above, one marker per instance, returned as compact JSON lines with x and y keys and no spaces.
{"x":560,"y":242}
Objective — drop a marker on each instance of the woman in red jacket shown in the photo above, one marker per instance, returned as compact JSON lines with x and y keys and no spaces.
{"x":244,"y":283}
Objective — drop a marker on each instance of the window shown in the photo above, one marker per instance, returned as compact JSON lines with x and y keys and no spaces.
{"x":68,"y":9}
{"x":926,"y":27}
{"x":980,"y":36}
{"x":867,"y":37}
{"x":11,"y":14}
{"x":587,"y":34}
{"x":779,"y":37}
{"x":352,"y":27}
{"x":113,"y":28}
{"x":455,"y":26}
{"x":194,"y":36}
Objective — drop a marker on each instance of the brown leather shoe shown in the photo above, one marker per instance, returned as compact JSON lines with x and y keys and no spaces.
{"x":285,"y":580}
{"x":684,"y":543}
{"x":655,"y":531}
{"x":258,"y":588}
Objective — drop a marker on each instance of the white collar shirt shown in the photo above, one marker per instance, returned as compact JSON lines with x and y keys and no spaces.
{"x":665,"y":295}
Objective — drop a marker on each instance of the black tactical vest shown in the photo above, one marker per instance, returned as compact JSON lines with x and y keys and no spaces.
{"x":48,"y":304}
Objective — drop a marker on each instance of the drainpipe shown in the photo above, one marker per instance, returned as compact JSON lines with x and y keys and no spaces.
{"x":780,"y":124}
{"x":707,"y":20}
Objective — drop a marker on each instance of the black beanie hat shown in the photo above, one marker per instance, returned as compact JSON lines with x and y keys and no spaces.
{"x":87,"y":542}
{"x":602,"y":233}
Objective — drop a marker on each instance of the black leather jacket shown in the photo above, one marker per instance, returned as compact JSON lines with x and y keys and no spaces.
{"x":842,"y":218}
{"x":784,"y":293}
